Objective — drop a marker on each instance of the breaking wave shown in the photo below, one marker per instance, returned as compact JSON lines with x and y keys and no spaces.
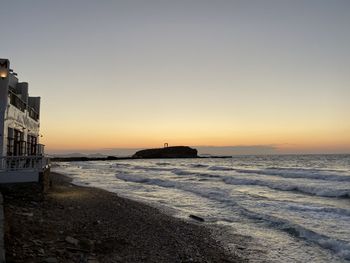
{"x":318,"y":188}
{"x":331,"y":175}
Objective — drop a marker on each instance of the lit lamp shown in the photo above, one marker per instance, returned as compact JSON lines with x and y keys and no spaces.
{"x":3,"y":73}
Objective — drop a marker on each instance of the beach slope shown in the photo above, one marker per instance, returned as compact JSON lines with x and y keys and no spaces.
{"x":82,"y":224}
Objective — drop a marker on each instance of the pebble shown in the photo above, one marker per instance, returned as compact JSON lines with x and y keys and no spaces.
{"x":25,"y":214}
{"x":37,"y":242}
{"x":97,"y":222}
{"x":72,"y":240}
{"x":51,"y":260}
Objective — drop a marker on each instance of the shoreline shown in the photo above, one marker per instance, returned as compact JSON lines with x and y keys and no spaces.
{"x":85,"y":224}
{"x":114,"y":158}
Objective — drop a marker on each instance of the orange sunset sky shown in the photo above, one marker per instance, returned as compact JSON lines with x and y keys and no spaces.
{"x":136,"y":74}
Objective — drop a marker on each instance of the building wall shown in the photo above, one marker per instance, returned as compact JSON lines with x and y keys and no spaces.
{"x":11,"y":116}
{"x":4,"y":83}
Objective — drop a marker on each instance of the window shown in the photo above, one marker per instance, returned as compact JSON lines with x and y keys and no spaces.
{"x":15,"y":143}
{"x":31,"y":145}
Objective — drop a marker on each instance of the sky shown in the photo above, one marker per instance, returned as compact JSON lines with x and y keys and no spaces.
{"x":247,"y":74}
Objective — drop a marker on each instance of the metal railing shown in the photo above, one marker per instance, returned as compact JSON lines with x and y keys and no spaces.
{"x":23,"y":148}
{"x":16,"y":101}
{"x":22,"y":163}
{"x":33,"y":114}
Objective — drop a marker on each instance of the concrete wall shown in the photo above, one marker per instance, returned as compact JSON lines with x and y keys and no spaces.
{"x":20,"y":176}
{"x":4,"y":83}
{"x":10,"y":116}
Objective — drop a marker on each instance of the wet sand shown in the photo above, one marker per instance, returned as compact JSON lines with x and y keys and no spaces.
{"x":82,"y":224}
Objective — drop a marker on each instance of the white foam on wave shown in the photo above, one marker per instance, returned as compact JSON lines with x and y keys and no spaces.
{"x":144,"y":179}
{"x":332,"y":190}
{"x":313,"y":187}
{"x":299,"y":173}
{"x":331,"y":210}
{"x":340,"y":247}
{"x":330,"y":175}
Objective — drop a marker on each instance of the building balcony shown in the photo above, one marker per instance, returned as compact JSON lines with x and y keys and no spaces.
{"x":33,"y":114}
{"x":24,"y":163}
{"x":16,"y":101}
{"x":23,"y":148}
{"x":23,"y":169}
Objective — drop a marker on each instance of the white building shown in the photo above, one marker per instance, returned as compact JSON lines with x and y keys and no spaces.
{"x":22,"y":157}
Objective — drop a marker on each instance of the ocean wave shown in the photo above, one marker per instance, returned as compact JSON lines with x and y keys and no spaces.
{"x":182,"y":172}
{"x":220,"y":168}
{"x":313,"y":170}
{"x":340,"y":247}
{"x":312,"y":189}
{"x":186,"y":172}
{"x":331,"y":210}
{"x":311,"y":209}
{"x":316,"y":188}
{"x":144,"y":179}
{"x":319,"y":188}
{"x":340,"y":190}
{"x":163,"y":164}
{"x":151,"y":168}
{"x":123,"y":165}
{"x":205,"y":192}
{"x":199,"y":165}
{"x":329,"y":175}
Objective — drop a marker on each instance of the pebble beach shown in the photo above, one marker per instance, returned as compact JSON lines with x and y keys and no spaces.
{"x":83,"y":224}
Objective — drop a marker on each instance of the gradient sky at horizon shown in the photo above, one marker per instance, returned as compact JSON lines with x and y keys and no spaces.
{"x":119,"y":74}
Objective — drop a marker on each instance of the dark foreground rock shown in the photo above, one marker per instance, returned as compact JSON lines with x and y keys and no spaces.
{"x":200,"y":219}
{"x":80,"y":224}
{"x":168,"y":152}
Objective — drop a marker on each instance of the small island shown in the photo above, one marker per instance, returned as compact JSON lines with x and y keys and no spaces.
{"x":167,"y":152}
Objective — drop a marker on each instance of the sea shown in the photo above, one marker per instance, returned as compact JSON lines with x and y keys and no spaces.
{"x":276,"y":208}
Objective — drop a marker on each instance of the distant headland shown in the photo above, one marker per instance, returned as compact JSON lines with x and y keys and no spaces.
{"x":167,"y":152}
{"x":154,"y":153}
